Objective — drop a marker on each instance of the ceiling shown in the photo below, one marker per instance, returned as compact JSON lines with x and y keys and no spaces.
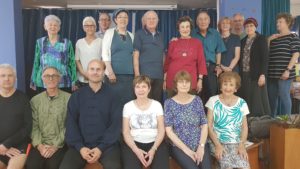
{"x":63,"y":3}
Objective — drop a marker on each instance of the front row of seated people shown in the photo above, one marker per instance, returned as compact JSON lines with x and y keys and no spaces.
{"x":69,"y":131}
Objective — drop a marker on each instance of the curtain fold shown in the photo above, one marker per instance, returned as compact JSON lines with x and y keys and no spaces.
{"x":270,"y":8}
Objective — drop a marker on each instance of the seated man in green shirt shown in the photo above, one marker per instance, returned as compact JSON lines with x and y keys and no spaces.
{"x":49,"y":110}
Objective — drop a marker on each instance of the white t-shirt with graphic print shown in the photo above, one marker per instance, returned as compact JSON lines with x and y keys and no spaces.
{"x":143,"y":123}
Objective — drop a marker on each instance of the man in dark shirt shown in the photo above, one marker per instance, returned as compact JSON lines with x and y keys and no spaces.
{"x":93,"y":124}
{"x":15,"y":120}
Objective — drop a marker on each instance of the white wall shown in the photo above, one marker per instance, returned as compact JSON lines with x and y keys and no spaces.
{"x":295,"y":9}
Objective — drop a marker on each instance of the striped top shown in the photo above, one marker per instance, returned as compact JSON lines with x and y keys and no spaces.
{"x":281,"y":52}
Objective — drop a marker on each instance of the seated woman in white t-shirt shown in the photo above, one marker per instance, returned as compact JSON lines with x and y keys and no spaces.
{"x":143,"y":130}
{"x":87,"y":49}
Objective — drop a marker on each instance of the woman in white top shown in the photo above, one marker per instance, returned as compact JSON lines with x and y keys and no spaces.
{"x":87,"y":49}
{"x":143,"y":130}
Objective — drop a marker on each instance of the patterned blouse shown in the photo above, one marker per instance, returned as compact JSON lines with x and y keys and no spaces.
{"x":246,"y":54}
{"x":59,"y":55}
{"x":186,"y":120}
{"x":227,"y":122}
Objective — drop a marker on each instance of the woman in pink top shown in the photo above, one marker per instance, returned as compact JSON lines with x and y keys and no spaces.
{"x":185,"y":53}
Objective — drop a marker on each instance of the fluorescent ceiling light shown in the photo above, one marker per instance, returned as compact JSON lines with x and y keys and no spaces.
{"x":138,"y":7}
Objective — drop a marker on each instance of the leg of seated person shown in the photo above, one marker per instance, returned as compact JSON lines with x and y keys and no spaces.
{"x":161,"y":157}
{"x":2,"y":165}
{"x":111,"y":158}
{"x":183,"y":160}
{"x":129,"y":158}
{"x":35,"y":160}
{"x":72,"y":160}
{"x":3,"y":161}
{"x":17,"y":162}
{"x":206,"y":162}
{"x":55,"y":160}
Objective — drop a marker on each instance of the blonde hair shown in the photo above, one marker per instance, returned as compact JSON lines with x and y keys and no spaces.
{"x":223,"y":20}
{"x":228,"y":76}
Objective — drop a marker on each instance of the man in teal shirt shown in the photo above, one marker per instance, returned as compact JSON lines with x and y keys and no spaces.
{"x":213,"y":47}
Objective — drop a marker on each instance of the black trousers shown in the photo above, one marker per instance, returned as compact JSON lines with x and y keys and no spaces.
{"x":110,"y":159}
{"x":186,"y":162}
{"x":160,"y":160}
{"x":36,"y":161}
{"x":210,"y":83}
{"x":156,"y":89}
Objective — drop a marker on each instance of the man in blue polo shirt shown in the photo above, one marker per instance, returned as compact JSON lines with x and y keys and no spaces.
{"x":148,"y":54}
{"x":93,"y":124}
{"x":213,"y":46}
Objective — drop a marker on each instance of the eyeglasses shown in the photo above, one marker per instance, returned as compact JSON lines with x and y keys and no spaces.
{"x":89,"y":26}
{"x":49,"y":77}
{"x":122,"y":17}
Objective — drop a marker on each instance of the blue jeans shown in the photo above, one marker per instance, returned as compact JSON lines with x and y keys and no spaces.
{"x":280,"y":89}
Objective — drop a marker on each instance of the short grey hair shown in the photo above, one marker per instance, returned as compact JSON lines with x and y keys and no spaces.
{"x":146,"y":14}
{"x":238,"y":14}
{"x":49,"y":18}
{"x":51,"y":67}
{"x":88,"y":18}
{"x":10,"y":67}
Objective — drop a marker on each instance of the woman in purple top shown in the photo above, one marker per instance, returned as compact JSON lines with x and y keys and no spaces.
{"x":186,"y":124}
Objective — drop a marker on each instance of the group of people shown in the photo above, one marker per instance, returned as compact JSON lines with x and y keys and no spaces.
{"x":117,"y":80}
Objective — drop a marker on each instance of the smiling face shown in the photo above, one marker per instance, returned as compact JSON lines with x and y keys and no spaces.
{"x":151,"y":20}
{"x":122,"y":20}
{"x":7,"y":78}
{"x":141,"y":90}
{"x":250,"y":29}
{"x":203,"y":21}
{"x":225,"y":25}
{"x":95,"y":71}
{"x":228,"y":87}
{"x":89,"y":27}
{"x":51,"y":78}
{"x":52,"y":27}
{"x":183,"y":86}
{"x":185,"y":29}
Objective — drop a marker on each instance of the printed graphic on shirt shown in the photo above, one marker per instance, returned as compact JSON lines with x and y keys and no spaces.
{"x":144,"y":121}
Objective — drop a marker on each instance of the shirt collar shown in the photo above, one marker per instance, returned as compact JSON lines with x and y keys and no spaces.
{"x":209,"y":31}
{"x":149,"y":33}
{"x":51,"y":97}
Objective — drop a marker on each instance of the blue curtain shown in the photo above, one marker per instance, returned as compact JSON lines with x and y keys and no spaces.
{"x":71,"y":27}
{"x":270,"y":8}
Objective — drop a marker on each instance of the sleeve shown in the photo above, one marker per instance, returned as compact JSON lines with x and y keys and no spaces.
{"x":77,"y":51}
{"x":36,"y":63}
{"x":168,"y":57}
{"x":263,"y":52}
{"x":244,"y":108}
{"x":158,"y":109}
{"x":23,"y":134}
{"x":72,"y":63}
{"x":295,"y":45}
{"x":168,"y":116}
{"x":210,"y":103}
{"x":137,"y":43}
{"x":201,"y":62}
{"x":35,"y":133}
{"x":237,"y":41}
{"x":113,"y":132}
{"x":203,"y":119}
{"x":126,"y":110}
{"x":220,"y":43}
{"x":73,"y":136}
{"x":106,"y":45}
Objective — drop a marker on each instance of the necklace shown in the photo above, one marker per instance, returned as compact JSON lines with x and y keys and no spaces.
{"x":185,"y":49}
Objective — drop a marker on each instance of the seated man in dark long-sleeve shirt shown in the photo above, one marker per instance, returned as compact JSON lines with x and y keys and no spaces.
{"x":15,"y":121}
{"x":93,"y":124}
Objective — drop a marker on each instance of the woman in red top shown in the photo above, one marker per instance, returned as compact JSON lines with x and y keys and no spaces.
{"x":185,"y":53}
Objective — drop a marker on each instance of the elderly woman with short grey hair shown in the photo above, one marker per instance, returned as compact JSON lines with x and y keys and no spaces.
{"x":53,"y":50}
{"x":87,"y":49}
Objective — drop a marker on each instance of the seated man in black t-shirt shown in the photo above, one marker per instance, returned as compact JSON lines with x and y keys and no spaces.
{"x":15,"y":121}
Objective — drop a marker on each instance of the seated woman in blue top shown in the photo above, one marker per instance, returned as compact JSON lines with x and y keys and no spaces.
{"x":186,"y":124}
{"x":117,"y":53}
{"x":227,"y":123}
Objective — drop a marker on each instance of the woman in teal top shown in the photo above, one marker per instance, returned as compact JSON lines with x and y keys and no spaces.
{"x":54,"y":51}
{"x":117,"y":53}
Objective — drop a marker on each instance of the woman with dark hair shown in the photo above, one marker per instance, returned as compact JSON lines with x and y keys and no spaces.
{"x":284,"y":53}
{"x":185,"y":53}
{"x":253,"y":69}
